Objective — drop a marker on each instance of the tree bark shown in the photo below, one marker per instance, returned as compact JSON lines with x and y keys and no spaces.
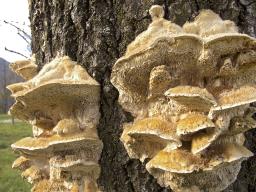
{"x":95,"y":33}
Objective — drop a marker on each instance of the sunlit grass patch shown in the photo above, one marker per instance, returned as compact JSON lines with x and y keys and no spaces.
{"x":10,"y":179}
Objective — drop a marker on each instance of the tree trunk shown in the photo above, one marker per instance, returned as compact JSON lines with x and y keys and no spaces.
{"x":95,"y":33}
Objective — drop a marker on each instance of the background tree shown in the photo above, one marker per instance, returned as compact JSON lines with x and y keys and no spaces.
{"x":95,"y":33}
{"x":6,"y":75}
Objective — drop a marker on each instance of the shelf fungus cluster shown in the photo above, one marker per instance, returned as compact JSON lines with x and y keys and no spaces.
{"x":189,"y":89}
{"x":61,"y":103}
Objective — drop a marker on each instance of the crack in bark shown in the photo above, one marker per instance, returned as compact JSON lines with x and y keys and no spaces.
{"x":197,"y":6}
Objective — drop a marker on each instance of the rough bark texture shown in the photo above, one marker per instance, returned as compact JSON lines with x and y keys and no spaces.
{"x":95,"y":33}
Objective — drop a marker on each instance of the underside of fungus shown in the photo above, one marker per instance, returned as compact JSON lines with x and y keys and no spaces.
{"x":61,"y":103}
{"x":189,"y":89}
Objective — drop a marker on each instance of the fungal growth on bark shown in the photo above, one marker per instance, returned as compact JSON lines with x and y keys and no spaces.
{"x":61,"y":103}
{"x":189,"y":89}
{"x":27,"y":69}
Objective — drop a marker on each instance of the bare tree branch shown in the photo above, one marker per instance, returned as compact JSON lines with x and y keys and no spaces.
{"x":19,"y":29}
{"x":24,"y":38}
{"x":15,"y":52}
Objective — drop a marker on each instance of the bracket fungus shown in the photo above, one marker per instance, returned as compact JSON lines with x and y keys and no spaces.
{"x":27,"y":69}
{"x":61,"y":103}
{"x":189,"y":89}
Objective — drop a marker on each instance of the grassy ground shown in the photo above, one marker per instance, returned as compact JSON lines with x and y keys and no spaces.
{"x":10,"y":180}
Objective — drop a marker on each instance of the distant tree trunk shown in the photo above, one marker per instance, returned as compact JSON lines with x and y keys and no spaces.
{"x":13,"y":122}
{"x":5,"y":97}
{"x":95,"y":33}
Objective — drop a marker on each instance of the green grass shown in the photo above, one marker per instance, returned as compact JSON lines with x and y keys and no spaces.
{"x":10,"y":179}
{"x":4,"y":117}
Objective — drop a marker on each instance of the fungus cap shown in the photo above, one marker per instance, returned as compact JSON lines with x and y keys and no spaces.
{"x":175,"y":161}
{"x":203,"y":140}
{"x":89,"y":168}
{"x":227,"y":153}
{"x":155,"y":126}
{"x":234,"y":98}
{"x":242,"y":124}
{"x":21,"y":163}
{"x":208,"y":23}
{"x":144,"y":138}
{"x":192,"y":123}
{"x":27,"y":69}
{"x":156,"y":11}
{"x":193,"y":97}
{"x":160,"y":80}
{"x":62,"y":79}
{"x":32,"y":174}
{"x":241,"y":96}
{"x":182,"y":161}
{"x":45,"y":146}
